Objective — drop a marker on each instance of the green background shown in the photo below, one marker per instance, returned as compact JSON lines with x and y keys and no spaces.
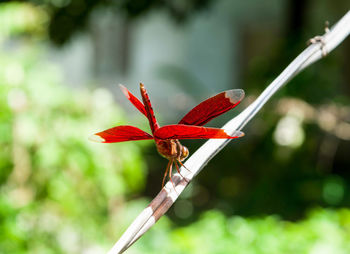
{"x":283,"y":188}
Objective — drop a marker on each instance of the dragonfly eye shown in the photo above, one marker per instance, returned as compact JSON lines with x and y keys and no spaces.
{"x":184,"y":153}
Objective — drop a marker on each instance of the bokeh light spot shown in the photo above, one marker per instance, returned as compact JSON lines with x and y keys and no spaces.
{"x":289,"y":132}
{"x":333,"y":190}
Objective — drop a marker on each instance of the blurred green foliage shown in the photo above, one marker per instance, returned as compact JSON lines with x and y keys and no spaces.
{"x":59,"y":193}
{"x":323,"y":231}
{"x":57,"y":188}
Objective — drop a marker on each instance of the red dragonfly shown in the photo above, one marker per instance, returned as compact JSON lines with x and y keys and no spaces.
{"x":167,"y":137}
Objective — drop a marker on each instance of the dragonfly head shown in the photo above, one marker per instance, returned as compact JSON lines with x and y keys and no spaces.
{"x":184,"y":153}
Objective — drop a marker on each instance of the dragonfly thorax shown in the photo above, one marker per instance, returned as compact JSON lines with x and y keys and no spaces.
{"x":172,"y":149}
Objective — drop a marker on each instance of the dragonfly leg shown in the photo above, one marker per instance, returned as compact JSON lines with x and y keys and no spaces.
{"x":178,"y":171}
{"x":184,"y":166}
{"x":166,"y":171}
{"x":171,"y":172}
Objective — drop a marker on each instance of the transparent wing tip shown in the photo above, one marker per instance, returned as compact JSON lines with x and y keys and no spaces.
{"x":236,"y":134}
{"x":96,"y":138}
{"x":124,"y":90}
{"x":235,"y":95}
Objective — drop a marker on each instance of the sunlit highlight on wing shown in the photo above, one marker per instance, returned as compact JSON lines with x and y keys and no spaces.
{"x":180,"y":131}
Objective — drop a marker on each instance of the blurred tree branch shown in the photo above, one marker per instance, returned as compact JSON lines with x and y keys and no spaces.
{"x":66,"y":18}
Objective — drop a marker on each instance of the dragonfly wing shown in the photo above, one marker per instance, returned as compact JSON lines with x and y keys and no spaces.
{"x":149,"y":110}
{"x":181,"y":131}
{"x":213,"y":107}
{"x":133,"y":99}
{"x":120,"y":134}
